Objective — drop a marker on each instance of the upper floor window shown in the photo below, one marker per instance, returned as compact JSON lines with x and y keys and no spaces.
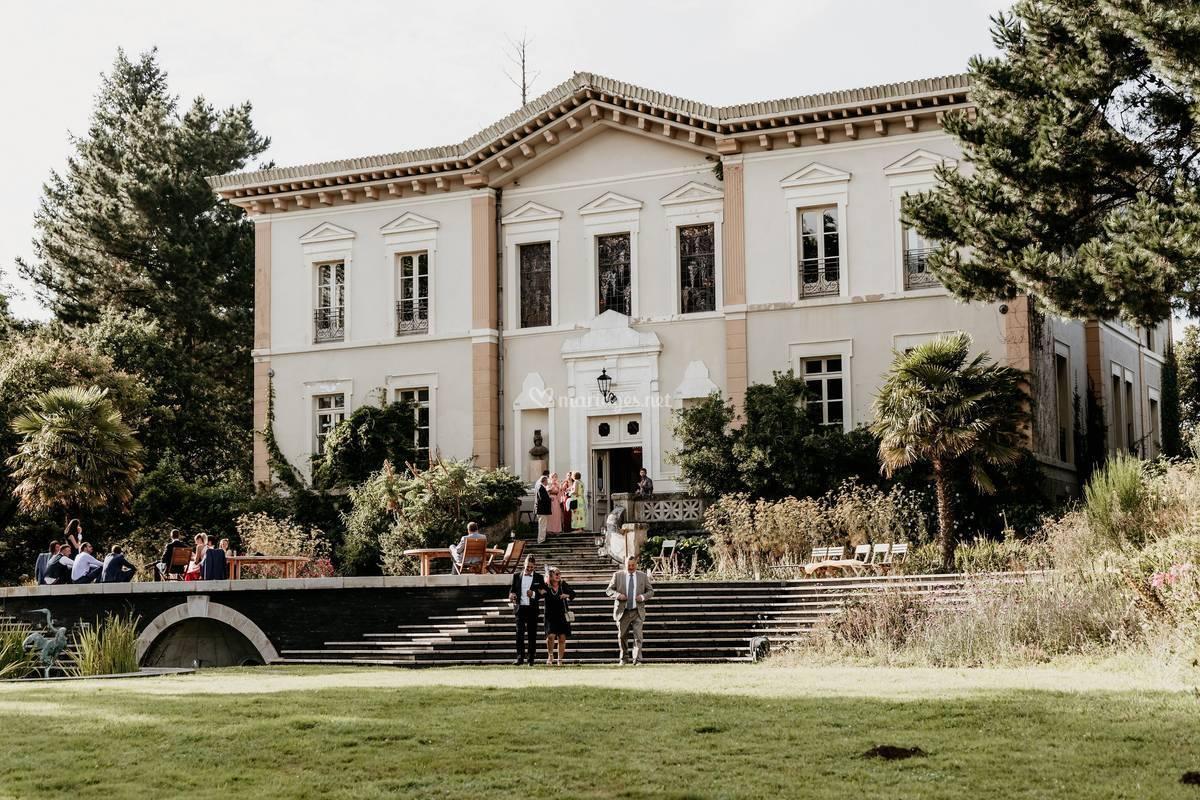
{"x":328,"y":410}
{"x":412,"y":306}
{"x":819,"y":248}
{"x":823,"y":379}
{"x":697,"y":269}
{"x":614,"y":273}
{"x":535,"y":284}
{"x":329,"y":317}
{"x":916,"y":260}
{"x":419,"y":397}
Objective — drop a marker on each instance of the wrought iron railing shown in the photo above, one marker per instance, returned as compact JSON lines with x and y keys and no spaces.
{"x":329,"y":325}
{"x":819,"y":280}
{"x":916,"y":269}
{"x":412,"y":316}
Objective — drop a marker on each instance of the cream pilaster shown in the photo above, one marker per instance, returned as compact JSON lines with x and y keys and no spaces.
{"x":734,"y":281}
{"x":262,"y":345}
{"x":485,"y":372}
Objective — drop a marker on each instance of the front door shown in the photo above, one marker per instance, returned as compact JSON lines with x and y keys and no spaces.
{"x":614,"y":471}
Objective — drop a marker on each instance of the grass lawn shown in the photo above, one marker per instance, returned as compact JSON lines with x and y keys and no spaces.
{"x":740,"y":731}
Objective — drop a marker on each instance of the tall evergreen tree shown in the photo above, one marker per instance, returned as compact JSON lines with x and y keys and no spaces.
{"x":1187,"y":357}
{"x":1085,"y":152}
{"x":132,"y":226}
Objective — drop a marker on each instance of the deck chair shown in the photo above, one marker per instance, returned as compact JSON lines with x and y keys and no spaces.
{"x":879,"y":553}
{"x":667,"y":560}
{"x":180,"y":557}
{"x":826,"y":554}
{"x":895,"y":555}
{"x":473,"y":557}
{"x":862,"y":553}
{"x":508,"y":562}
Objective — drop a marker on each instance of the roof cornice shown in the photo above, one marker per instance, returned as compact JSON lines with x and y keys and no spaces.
{"x":566,"y":110}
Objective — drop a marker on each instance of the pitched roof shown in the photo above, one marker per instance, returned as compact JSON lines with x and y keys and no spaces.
{"x":719,"y":119}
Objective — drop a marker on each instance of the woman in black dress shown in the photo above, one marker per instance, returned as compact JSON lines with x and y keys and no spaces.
{"x":558,"y":595}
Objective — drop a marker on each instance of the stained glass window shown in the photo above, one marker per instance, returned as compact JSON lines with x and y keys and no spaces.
{"x":535,"y":284}
{"x":614,"y":279}
{"x":697,"y":269}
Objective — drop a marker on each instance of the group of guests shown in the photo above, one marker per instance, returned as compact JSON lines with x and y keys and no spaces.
{"x":74,"y":561}
{"x":560,"y":505}
{"x":205,"y":562}
{"x":630,"y":589}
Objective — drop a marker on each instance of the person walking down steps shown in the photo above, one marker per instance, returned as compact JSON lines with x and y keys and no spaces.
{"x":630,"y":588}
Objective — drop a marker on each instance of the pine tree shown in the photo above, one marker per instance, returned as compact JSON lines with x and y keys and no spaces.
{"x":1084,"y":154}
{"x":131,"y":225}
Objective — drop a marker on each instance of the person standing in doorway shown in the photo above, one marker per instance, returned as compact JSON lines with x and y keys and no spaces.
{"x":579,"y":511}
{"x":630,"y":588}
{"x":543,"y":506}
{"x":645,"y":486}
{"x":525,"y":594}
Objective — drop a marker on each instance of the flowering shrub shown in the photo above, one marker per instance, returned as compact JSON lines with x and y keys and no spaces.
{"x":317,"y":568}
{"x":262,"y":533}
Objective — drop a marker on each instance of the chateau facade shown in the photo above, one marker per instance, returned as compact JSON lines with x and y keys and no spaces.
{"x":609,"y":253}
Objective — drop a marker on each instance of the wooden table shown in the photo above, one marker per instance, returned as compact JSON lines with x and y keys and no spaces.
{"x":428,"y":554}
{"x":291,"y":564}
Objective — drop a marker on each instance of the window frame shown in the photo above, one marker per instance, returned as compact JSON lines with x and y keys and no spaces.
{"x":799,"y":352}
{"x":596,"y":237}
{"x":398,"y":281}
{"x":1067,"y":403}
{"x":818,"y":186}
{"x":314,"y":389}
{"x":318,"y":442}
{"x":608,"y":214}
{"x":824,"y":376}
{"x":530,"y":223}
{"x":395,"y":384}
{"x":318,"y":268}
{"x":325,"y":244}
{"x":912,"y":174}
{"x":408,"y":234}
{"x":695,"y":203}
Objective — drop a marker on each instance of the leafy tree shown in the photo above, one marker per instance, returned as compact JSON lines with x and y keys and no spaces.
{"x":1172,"y":441}
{"x":132,"y":225}
{"x":358,"y":446}
{"x":777,"y":452}
{"x":940,"y":406}
{"x":1083,"y":190}
{"x":1187,"y":357}
{"x":76,"y":453}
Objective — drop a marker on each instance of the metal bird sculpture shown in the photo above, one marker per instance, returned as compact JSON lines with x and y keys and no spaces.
{"x":48,"y":645}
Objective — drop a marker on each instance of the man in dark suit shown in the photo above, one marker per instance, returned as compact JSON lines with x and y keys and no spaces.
{"x":215,"y":567}
{"x":116,"y":568}
{"x":43,"y":561}
{"x":525,"y":595}
{"x":543,"y":507}
{"x":175,"y":543}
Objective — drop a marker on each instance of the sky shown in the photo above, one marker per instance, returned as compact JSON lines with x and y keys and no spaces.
{"x":336,"y":80}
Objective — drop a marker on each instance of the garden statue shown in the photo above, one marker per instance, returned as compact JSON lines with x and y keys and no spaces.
{"x":49,"y":645}
{"x":537,"y":456}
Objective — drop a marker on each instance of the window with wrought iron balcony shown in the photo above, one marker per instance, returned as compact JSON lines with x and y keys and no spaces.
{"x":329,"y":325}
{"x":916,"y":262}
{"x":412,"y":316}
{"x":820,"y":260}
{"x":412,"y":309}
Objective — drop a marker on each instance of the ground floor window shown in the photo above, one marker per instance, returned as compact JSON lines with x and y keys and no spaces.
{"x":823,"y":379}
{"x":419,"y":397}
{"x":329,"y":410}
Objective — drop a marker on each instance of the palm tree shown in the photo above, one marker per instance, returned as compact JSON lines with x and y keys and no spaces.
{"x":938,"y":405}
{"x":76,"y":453}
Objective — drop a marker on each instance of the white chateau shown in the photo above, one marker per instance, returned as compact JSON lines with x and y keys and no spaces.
{"x":609,"y":232}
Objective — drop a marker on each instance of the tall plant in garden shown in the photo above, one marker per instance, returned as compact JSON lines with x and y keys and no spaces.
{"x":76,"y":453}
{"x":940,"y":406}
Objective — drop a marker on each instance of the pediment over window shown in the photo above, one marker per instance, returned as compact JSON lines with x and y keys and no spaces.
{"x":534,"y":393}
{"x":692,"y":192}
{"x":696,"y":382}
{"x":919,"y":161}
{"x":815,"y":174}
{"x":608,"y":334}
{"x":326,"y":232}
{"x":611,"y":201}
{"x":531,"y":212}
{"x":409,"y":222}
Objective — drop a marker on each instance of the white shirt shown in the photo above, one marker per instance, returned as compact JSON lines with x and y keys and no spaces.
{"x":526,"y":585}
{"x":631,"y":589}
{"x":83,"y":563}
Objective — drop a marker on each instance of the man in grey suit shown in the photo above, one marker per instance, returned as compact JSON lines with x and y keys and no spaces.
{"x":630,"y":588}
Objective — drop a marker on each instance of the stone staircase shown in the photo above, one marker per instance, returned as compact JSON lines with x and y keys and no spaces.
{"x":575,"y":554}
{"x":688,"y":621}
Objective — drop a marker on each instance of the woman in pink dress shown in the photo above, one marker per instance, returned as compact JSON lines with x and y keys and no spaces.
{"x":554,"y":524}
{"x":564,"y":499}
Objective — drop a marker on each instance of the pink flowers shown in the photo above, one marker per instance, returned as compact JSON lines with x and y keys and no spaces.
{"x":1170,"y":577}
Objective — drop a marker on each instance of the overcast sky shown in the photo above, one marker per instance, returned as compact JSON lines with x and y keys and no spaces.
{"x":333,"y":80}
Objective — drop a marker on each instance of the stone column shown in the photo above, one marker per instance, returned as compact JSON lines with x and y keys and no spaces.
{"x":733,"y":278}
{"x":485,"y":351}
{"x":262,"y":344}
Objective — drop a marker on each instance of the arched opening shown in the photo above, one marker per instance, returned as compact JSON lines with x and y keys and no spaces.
{"x":201,"y":642}
{"x":198,"y":632}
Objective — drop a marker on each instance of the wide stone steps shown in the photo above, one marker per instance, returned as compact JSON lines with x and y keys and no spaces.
{"x":692,"y":621}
